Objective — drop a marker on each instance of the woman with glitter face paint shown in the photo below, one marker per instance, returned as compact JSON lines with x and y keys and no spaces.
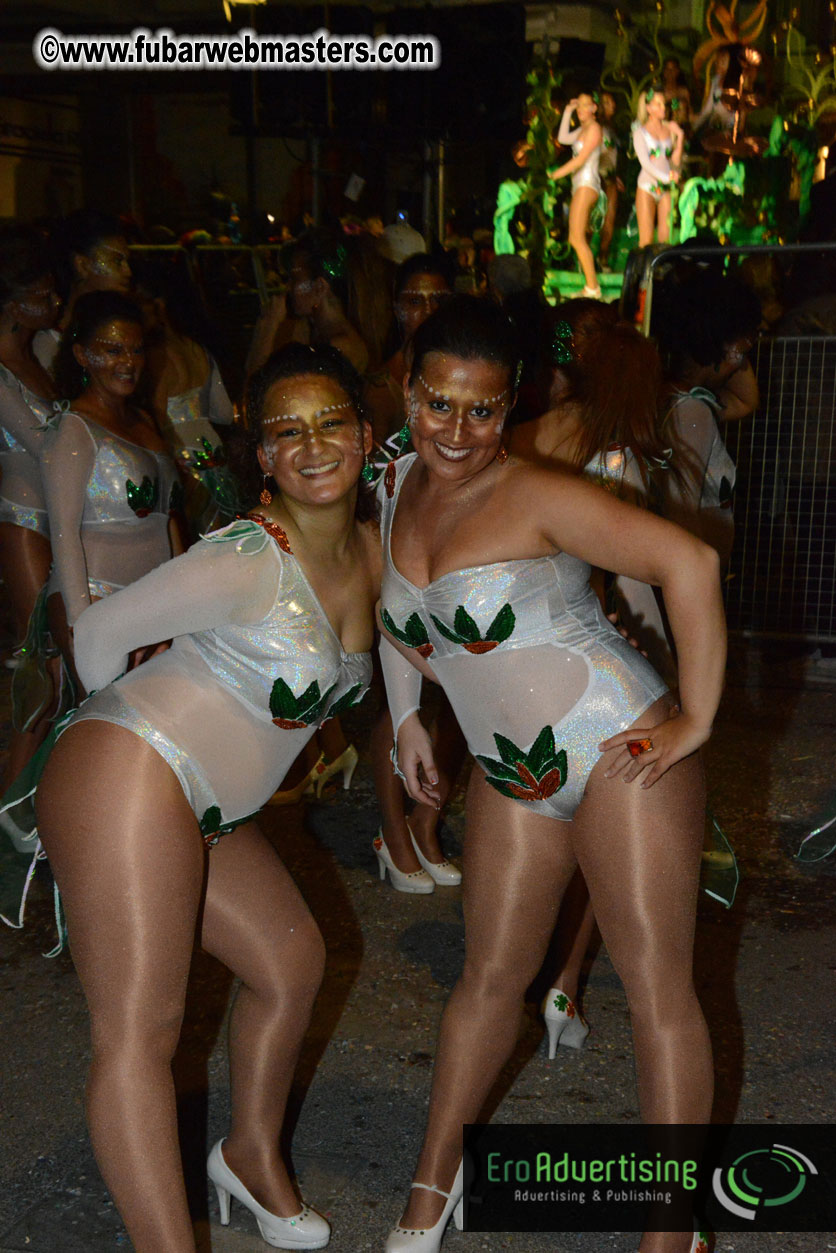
{"x":112,"y":491}
{"x":90,"y":253}
{"x":582,"y":758}
{"x":28,"y":398}
{"x":314,"y":308}
{"x":147,"y":805}
{"x":422,"y":284}
{"x":408,"y":848}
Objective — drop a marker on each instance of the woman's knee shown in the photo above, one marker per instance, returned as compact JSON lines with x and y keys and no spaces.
{"x":297,"y":969}
{"x":144,"y":1033}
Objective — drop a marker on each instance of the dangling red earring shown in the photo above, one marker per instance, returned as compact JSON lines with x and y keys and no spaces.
{"x":502,"y":454}
{"x":266,"y":495}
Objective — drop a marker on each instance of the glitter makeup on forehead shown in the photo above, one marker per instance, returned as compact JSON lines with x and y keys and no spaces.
{"x":499,"y":398}
{"x":295,"y":417}
{"x":116,"y":259}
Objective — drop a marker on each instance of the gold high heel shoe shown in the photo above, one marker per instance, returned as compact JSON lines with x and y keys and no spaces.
{"x":347,"y":762}
{"x":292,"y":795}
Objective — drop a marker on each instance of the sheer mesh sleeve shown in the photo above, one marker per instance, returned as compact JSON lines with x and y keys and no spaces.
{"x":17,"y":418}
{"x":565,"y":134}
{"x":214,"y":584}
{"x":68,"y":458}
{"x":403,"y":690}
{"x":216,"y":405}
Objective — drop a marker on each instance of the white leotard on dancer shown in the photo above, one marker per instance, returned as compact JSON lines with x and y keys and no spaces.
{"x":23,"y":419}
{"x":654,"y":158}
{"x":109,"y":504}
{"x":254,"y":668}
{"x":587,"y":175}
{"x":536,"y":675}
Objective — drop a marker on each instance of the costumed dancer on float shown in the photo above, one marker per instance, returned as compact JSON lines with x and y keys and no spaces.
{"x":582,"y":758}
{"x":147,"y":802}
{"x":585,"y":141}
{"x":658,"y":146}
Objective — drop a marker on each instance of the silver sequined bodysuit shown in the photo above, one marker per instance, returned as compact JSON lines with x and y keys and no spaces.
{"x":254,"y":668}
{"x":23,"y":419}
{"x":109,"y":504}
{"x":535,"y":673}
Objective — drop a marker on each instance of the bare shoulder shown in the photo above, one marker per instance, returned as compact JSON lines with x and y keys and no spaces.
{"x":531,"y":481}
{"x":372,"y":551}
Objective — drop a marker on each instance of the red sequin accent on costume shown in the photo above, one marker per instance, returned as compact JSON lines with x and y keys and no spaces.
{"x":272,"y":528}
{"x":389,"y":480}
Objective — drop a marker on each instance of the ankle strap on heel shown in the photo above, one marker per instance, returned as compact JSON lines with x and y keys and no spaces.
{"x":430,"y":1187}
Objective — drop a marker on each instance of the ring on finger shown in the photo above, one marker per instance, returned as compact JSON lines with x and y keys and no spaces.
{"x":637,"y":747}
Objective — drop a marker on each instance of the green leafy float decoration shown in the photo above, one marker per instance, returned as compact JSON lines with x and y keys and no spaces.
{"x":468,"y":635}
{"x":292,"y":712}
{"x":413,"y":634}
{"x":527,"y":776}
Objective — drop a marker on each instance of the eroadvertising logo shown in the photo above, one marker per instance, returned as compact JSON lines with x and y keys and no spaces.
{"x":762,"y":1177}
{"x":612,"y":1177}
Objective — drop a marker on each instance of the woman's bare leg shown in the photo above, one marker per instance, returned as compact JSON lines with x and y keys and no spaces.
{"x":127,"y":855}
{"x":256,"y":922}
{"x":580,"y":208}
{"x":645,"y":216}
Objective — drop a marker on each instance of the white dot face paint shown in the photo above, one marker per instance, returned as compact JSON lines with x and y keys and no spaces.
{"x":456,"y":410}
{"x":115,"y":357}
{"x":312,"y":443}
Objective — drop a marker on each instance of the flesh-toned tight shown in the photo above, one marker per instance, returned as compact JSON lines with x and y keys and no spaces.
{"x":129,"y":859}
{"x":25,"y":557}
{"x":582,"y":203}
{"x":650,"y":214}
{"x":639,"y":850}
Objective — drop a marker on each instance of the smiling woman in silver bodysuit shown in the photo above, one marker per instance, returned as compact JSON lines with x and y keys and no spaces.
{"x":272,"y":625}
{"x":582,"y":758}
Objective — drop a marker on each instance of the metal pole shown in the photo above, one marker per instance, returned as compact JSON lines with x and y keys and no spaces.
{"x":440,"y":184}
{"x":316,"y":196}
{"x":427,"y":206}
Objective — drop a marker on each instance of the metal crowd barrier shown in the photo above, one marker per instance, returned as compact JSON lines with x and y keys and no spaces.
{"x":782,"y":577}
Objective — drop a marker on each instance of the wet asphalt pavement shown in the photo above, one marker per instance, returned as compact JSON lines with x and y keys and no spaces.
{"x":765,"y":976}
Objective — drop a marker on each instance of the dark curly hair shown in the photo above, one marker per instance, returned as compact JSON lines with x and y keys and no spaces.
{"x":90,"y":313}
{"x":291,"y":362}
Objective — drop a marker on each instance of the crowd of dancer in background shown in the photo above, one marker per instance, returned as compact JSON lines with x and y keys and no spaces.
{"x":193,"y":585}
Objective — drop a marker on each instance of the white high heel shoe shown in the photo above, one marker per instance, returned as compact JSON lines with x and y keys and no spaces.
{"x":563,"y":1022}
{"x":444,"y":873}
{"x":346,"y":762}
{"x":417,"y":882}
{"x":428,"y":1239}
{"x":292,"y":795}
{"x":306,"y":1230}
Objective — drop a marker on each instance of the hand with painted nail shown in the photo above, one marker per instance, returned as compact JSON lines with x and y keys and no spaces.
{"x":650,"y":751}
{"x":416,"y":761}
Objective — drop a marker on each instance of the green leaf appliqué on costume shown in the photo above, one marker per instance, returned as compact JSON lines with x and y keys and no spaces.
{"x":527,"y":776}
{"x":211,"y":827}
{"x":142,"y":499}
{"x":467,"y":633}
{"x":291,"y":712}
{"x":413,"y":635}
